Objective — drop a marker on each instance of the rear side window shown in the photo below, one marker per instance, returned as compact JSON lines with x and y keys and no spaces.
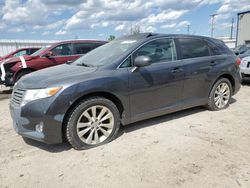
{"x":192,"y":48}
{"x":160,"y":50}
{"x":83,"y":48}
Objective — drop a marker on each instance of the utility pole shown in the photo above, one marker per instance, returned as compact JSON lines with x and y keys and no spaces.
{"x":232,"y":28}
{"x":188,"y":29}
{"x":212,"y":24}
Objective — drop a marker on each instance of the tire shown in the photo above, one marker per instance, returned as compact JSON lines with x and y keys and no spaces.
{"x":214,"y":96}
{"x":92,"y":122}
{"x":22,"y":73}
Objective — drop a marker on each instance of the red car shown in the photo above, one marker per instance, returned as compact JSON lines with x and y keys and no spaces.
{"x":19,"y":52}
{"x":58,"y":53}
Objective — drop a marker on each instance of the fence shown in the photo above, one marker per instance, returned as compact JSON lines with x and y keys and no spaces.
{"x":7,"y":46}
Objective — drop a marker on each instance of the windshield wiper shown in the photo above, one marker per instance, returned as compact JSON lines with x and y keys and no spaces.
{"x":85,"y":65}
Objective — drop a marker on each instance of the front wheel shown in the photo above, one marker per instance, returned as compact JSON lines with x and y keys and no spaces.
{"x":220,"y":95}
{"x":93,"y":122}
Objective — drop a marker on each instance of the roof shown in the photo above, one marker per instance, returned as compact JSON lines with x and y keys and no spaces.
{"x":245,"y":12}
{"x":155,"y":35}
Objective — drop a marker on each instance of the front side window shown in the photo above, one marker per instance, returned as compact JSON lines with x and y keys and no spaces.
{"x":63,"y":50}
{"x":83,"y":48}
{"x":20,"y":53}
{"x":192,"y":48}
{"x":160,"y":50}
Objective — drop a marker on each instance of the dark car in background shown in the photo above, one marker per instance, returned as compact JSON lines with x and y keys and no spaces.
{"x":20,"y":52}
{"x":245,"y":54}
{"x":58,"y":53}
{"x":241,"y":49}
{"x":127,"y":80}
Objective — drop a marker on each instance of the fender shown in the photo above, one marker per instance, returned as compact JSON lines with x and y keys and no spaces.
{"x":23,"y":62}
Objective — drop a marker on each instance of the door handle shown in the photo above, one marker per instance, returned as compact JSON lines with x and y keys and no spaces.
{"x":177,"y":70}
{"x":213,"y":63}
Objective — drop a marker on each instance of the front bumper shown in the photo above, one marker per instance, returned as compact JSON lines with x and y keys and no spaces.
{"x":25,"y":118}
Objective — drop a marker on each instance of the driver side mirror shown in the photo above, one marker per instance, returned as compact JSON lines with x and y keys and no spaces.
{"x":142,"y":61}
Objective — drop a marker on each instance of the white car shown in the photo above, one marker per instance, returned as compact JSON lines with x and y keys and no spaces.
{"x":245,"y":67}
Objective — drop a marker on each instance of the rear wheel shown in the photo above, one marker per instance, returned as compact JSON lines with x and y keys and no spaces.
{"x":220,"y":95}
{"x":93,"y":122}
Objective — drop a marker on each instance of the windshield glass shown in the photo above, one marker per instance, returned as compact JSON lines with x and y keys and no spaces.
{"x":106,"y":54}
{"x":38,"y":51}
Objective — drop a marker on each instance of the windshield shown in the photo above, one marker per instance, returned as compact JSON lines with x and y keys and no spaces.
{"x":106,"y":54}
{"x":38,"y":51}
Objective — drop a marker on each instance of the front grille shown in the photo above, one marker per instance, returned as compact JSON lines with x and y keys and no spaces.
{"x":17,"y":96}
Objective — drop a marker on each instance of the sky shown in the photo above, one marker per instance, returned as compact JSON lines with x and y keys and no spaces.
{"x":97,"y":19}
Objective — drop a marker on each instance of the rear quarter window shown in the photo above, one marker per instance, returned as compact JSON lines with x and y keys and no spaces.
{"x":192,"y":48}
{"x":219,"y":48}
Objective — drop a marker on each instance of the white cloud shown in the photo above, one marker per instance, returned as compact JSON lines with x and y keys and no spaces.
{"x":61,"y":32}
{"x":46,"y":15}
{"x":16,"y":30}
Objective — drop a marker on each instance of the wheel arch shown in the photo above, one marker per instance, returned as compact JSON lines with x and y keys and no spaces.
{"x":105,"y":94}
{"x":22,"y":70}
{"x":225,"y":75}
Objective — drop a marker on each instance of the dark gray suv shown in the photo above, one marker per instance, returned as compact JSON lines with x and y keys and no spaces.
{"x":129,"y":79}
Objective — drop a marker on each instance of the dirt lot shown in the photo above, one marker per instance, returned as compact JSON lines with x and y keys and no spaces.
{"x":192,"y":148}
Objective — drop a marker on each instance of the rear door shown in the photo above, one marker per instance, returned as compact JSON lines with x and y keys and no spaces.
{"x":158,"y":87}
{"x":198,"y":64}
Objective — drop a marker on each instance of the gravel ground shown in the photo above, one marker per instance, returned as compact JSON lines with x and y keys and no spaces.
{"x":191,"y":148}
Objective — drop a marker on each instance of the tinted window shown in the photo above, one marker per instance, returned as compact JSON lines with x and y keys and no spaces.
{"x":218,"y":47}
{"x":62,"y":50}
{"x":192,"y":48}
{"x":160,"y":50}
{"x":83,"y":48}
{"x":31,"y":51}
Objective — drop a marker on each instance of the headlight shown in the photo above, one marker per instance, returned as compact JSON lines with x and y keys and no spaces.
{"x":34,"y":94}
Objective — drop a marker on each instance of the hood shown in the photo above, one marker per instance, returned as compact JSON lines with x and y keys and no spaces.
{"x":55,"y":76}
{"x":17,"y":59}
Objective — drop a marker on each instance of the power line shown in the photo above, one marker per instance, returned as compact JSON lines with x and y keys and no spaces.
{"x":232,"y":28}
{"x":212,"y":24}
{"x":188,"y":29}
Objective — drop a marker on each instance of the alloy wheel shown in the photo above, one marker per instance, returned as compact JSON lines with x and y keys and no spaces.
{"x":95,"y":124}
{"x":222,"y":95}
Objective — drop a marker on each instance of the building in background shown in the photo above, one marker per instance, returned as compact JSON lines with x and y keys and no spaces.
{"x":243,"y":28}
{"x":7,"y":46}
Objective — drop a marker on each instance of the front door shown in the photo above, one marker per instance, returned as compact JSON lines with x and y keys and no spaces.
{"x":158,"y":87}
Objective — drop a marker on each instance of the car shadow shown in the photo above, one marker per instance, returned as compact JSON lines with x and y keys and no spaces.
{"x":5,"y":93}
{"x":52,"y":148}
{"x":246,"y":82}
{"x":161,"y":119}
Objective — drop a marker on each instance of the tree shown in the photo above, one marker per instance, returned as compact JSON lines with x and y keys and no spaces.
{"x":111,"y":37}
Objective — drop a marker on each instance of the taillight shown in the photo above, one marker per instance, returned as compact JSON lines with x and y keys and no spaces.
{"x":238,"y":61}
